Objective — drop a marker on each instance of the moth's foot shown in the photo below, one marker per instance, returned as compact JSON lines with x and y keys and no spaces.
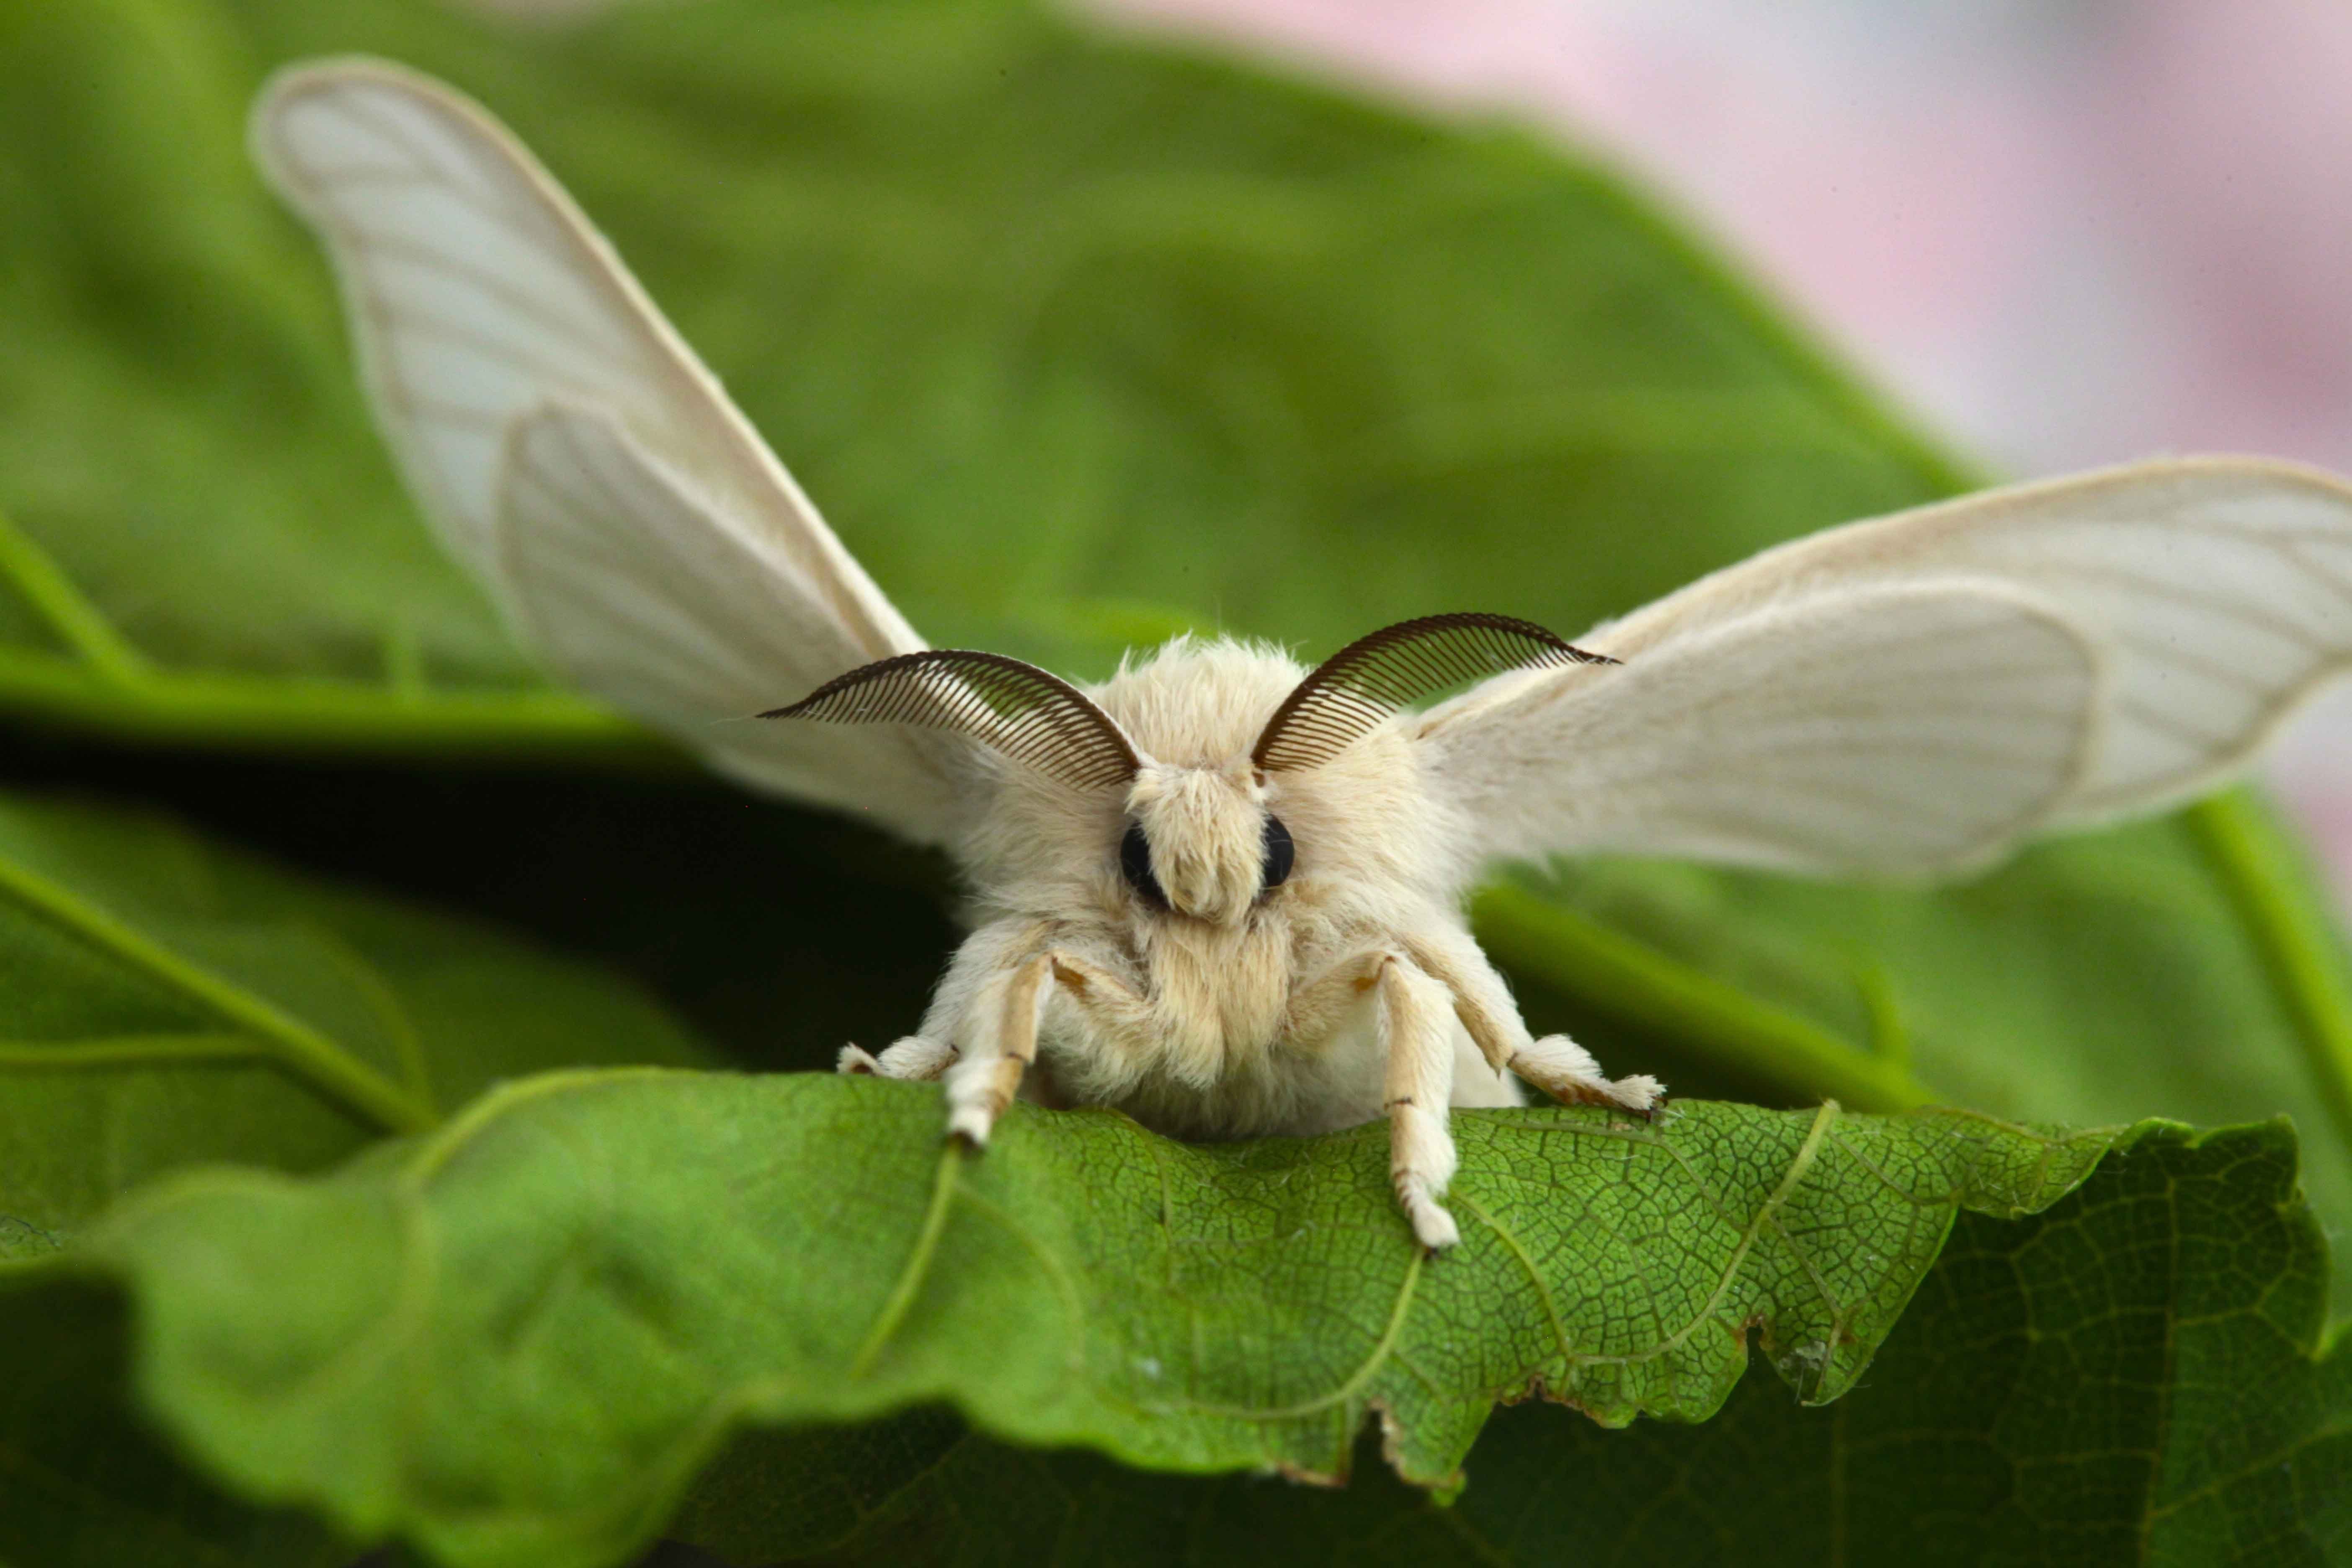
{"x":912,"y":1057}
{"x":979,"y":1091}
{"x":1420,"y":1165}
{"x":1643,"y":1095}
{"x":1566,"y":1071}
{"x":1432,"y":1226}
{"x":971,"y":1124}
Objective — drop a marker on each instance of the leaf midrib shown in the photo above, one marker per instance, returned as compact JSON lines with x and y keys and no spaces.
{"x":100,"y":680}
{"x":310,"y":1056}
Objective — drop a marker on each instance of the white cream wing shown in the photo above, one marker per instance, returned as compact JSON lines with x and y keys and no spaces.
{"x":495,"y":325}
{"x":644,"y":593}
{"x":1798,"y":710}
{"x":1900,"y":729}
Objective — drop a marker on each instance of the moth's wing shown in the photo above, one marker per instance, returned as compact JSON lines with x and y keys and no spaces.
{"x":2206,"y":597}
{"x":646,"y":595}
{"x":480,"y":299}
{"x":1894,"y":727}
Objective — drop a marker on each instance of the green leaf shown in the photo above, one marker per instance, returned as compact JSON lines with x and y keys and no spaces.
{"x":777,"y":1493}
{"x":2097,"y":977}
{"x":2138,"y":1375}
{"x":2029,"y":1406}
{"x":164,"y":1002}
{"x":1184,"y":345}
{"x":515,"y":1341}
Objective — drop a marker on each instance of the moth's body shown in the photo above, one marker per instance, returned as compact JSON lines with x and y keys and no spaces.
{"x":1220,"y":1028}
{"x":1219,"y":891}
{"x":1230,"y":1009}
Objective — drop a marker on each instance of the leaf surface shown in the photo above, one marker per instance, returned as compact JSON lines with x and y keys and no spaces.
{"x":2140,"y":1374}
{"x":516,"y":1341}
{"x":2033,"y":1381}
{"x":164,"y":1001}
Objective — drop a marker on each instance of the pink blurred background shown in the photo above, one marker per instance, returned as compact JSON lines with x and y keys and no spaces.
{"x":2064,"y":234}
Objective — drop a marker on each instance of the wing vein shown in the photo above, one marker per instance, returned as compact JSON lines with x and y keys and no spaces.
{"x":2195,"y":662}
{"x":367,"y":115}
{"x":416,"y":323}
{"x":371,"y":247}
{"x":2173,"y":593}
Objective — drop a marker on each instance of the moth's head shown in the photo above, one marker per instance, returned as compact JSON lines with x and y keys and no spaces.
{"x":1251,"y":764}
{"x":1200,"y":842}
{"x":1200,"y":837}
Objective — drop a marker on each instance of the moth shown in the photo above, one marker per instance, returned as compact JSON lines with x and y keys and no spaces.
{"x":1221,"y":891}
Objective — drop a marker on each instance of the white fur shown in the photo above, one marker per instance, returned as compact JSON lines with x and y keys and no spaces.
{"x":1352,"y":989}
{"x":1910,"y":695}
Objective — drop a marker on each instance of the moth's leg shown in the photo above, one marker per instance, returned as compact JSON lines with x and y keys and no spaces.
{"x":1092,"y":989}
{"x":1416,"y":1019}
{"x":916,"y":1056}
{"x":1001,"y":1032}
{"x":1418,"y":1026}
{"x":1322,"y":1003}
{"x":933,"y":1049}
{"x":1555,"y":1064}
{"x":1000,"y":1041}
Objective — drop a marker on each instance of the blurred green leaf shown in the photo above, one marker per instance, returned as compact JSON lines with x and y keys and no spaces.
{"x":777,"y":1493}
{"x":515,"y":1341}
{"x":164,"y":1002}
{"x":2140,"y":1374}
{"x":1077,"y":341}
{"x":84,"y":1482}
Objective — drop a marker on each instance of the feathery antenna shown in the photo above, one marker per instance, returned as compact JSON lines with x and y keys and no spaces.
{"x":1035,"y":717}
{"x":1357,"y":689}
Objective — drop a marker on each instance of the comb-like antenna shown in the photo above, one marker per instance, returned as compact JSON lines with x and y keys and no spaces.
{"x":1355,"y":690}
{"x":1038,"y":720}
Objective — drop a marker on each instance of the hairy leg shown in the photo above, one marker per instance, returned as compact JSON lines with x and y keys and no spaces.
{"x":1555,"y":1064}
{"x":1000,"y":1041}
{"x":916,"y":1056}
{"x":1419,"y":1081}
{"x":1319,"y":1006}
{"x":1000,"y":1032}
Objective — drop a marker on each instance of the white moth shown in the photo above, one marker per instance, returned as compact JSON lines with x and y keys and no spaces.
{"x":1219,"y":891}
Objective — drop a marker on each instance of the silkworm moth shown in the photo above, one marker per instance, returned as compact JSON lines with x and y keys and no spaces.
{"x":1221,"y":891}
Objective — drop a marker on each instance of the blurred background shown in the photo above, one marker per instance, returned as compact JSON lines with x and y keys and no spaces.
{"x":2064,"y":234}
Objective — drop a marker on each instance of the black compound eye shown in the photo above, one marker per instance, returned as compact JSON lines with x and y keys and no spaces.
{"x":1279,"y":852}
{"x":1135,"y":865}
